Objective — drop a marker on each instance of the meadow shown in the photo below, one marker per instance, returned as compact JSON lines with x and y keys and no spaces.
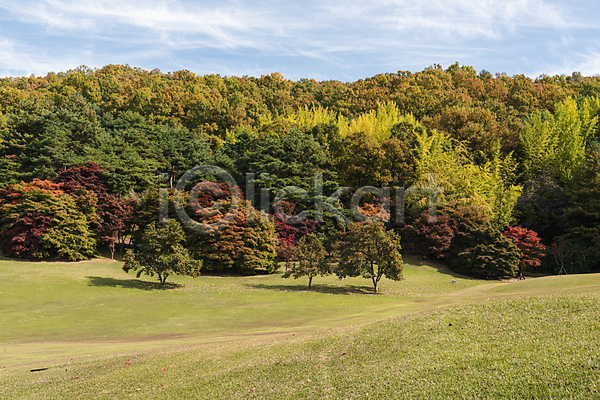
{"x":104,"y":334}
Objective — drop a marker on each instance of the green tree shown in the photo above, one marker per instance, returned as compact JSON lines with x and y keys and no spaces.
{"x":161,"y":252}
{"x":481,"y":251}
{"x":477,"y":128}
{"x":130,"y":155}
{"x":69,"y":135}
{"x":583,"y":214}
{"x":312,"y":259}
{"x":370,"y":251}
{"x":559,"y":139}
{"x":363,"y":161}
{"x":541,"y":207}
{"x":290,"y":160}
{"x":463,"y":182}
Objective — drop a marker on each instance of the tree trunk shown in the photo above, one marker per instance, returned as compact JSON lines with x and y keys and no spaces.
{"x":309,"y":281}
{"x":521,"y":272}
{"x":121,"y":241}
{"x":373,"y":278}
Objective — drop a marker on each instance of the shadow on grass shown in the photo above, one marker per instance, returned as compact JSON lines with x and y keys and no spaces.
{"x":130,"y":283}
{"x":350,"y":289}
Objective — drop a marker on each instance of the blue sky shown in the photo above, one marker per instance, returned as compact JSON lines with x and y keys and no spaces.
{"x":327,"y":39}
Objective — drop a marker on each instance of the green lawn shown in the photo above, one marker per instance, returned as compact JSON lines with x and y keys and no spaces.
{"x":219,"y":337}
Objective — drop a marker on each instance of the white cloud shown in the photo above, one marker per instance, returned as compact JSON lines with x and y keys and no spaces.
{"x":248,"y":25}
{"x":220,"y":26}
{"x":443,"y":18}
{"x":590,"y":66}
{"x":15,"y":58}
{"x":586,"y":63}
{"x":345,"y":36}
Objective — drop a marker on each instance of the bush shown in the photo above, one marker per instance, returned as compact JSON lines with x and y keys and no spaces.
{"x":480,"y":251}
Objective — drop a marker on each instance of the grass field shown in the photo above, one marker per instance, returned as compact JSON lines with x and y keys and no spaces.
{"x":215,"y":337}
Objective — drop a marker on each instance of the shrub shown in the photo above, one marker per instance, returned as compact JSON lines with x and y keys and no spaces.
{"x":481,"y":251}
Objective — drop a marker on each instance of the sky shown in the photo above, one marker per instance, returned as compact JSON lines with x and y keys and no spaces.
{"x":326,"y":39}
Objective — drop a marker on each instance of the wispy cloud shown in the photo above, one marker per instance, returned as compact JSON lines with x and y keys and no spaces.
{"x":334,"y":38}
{"x":588,"y":63}
{"x":222,"y":26}
{"x":16,"y":58}
{"x":465,"y":18}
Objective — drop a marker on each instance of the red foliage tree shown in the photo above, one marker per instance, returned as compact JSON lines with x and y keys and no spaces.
{"x":39,"y":220}
{"x":242,"y":246}
{"x":115,"y":211}
{"x":89,"y":176}
{"x":288,"y":235}
{"x":292,"y":233}
{"x":529,"y":243}
{"x":22,"y":239}
{"x":286,"y":251}
{"x":431,"y":237}
{"x":209,"y":192}
{"x":13,"y":193}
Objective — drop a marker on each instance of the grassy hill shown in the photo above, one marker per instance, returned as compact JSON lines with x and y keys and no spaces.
{"x":215,"y":337}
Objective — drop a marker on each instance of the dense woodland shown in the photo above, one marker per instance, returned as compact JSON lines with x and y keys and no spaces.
{"x":87,"y":155}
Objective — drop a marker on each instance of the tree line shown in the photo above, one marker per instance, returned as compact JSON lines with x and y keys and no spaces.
{"x":86,"y":155}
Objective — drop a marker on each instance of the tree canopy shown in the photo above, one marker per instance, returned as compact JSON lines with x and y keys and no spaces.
{"x":115,"y":141}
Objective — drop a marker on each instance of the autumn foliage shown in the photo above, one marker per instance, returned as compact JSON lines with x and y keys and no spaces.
{"x":39,"y":220}
{"x":88,"y":157}
{"x":529,"y":243}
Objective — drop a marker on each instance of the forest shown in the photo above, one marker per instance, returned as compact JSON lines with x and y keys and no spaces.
{"x":89,"y":157}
